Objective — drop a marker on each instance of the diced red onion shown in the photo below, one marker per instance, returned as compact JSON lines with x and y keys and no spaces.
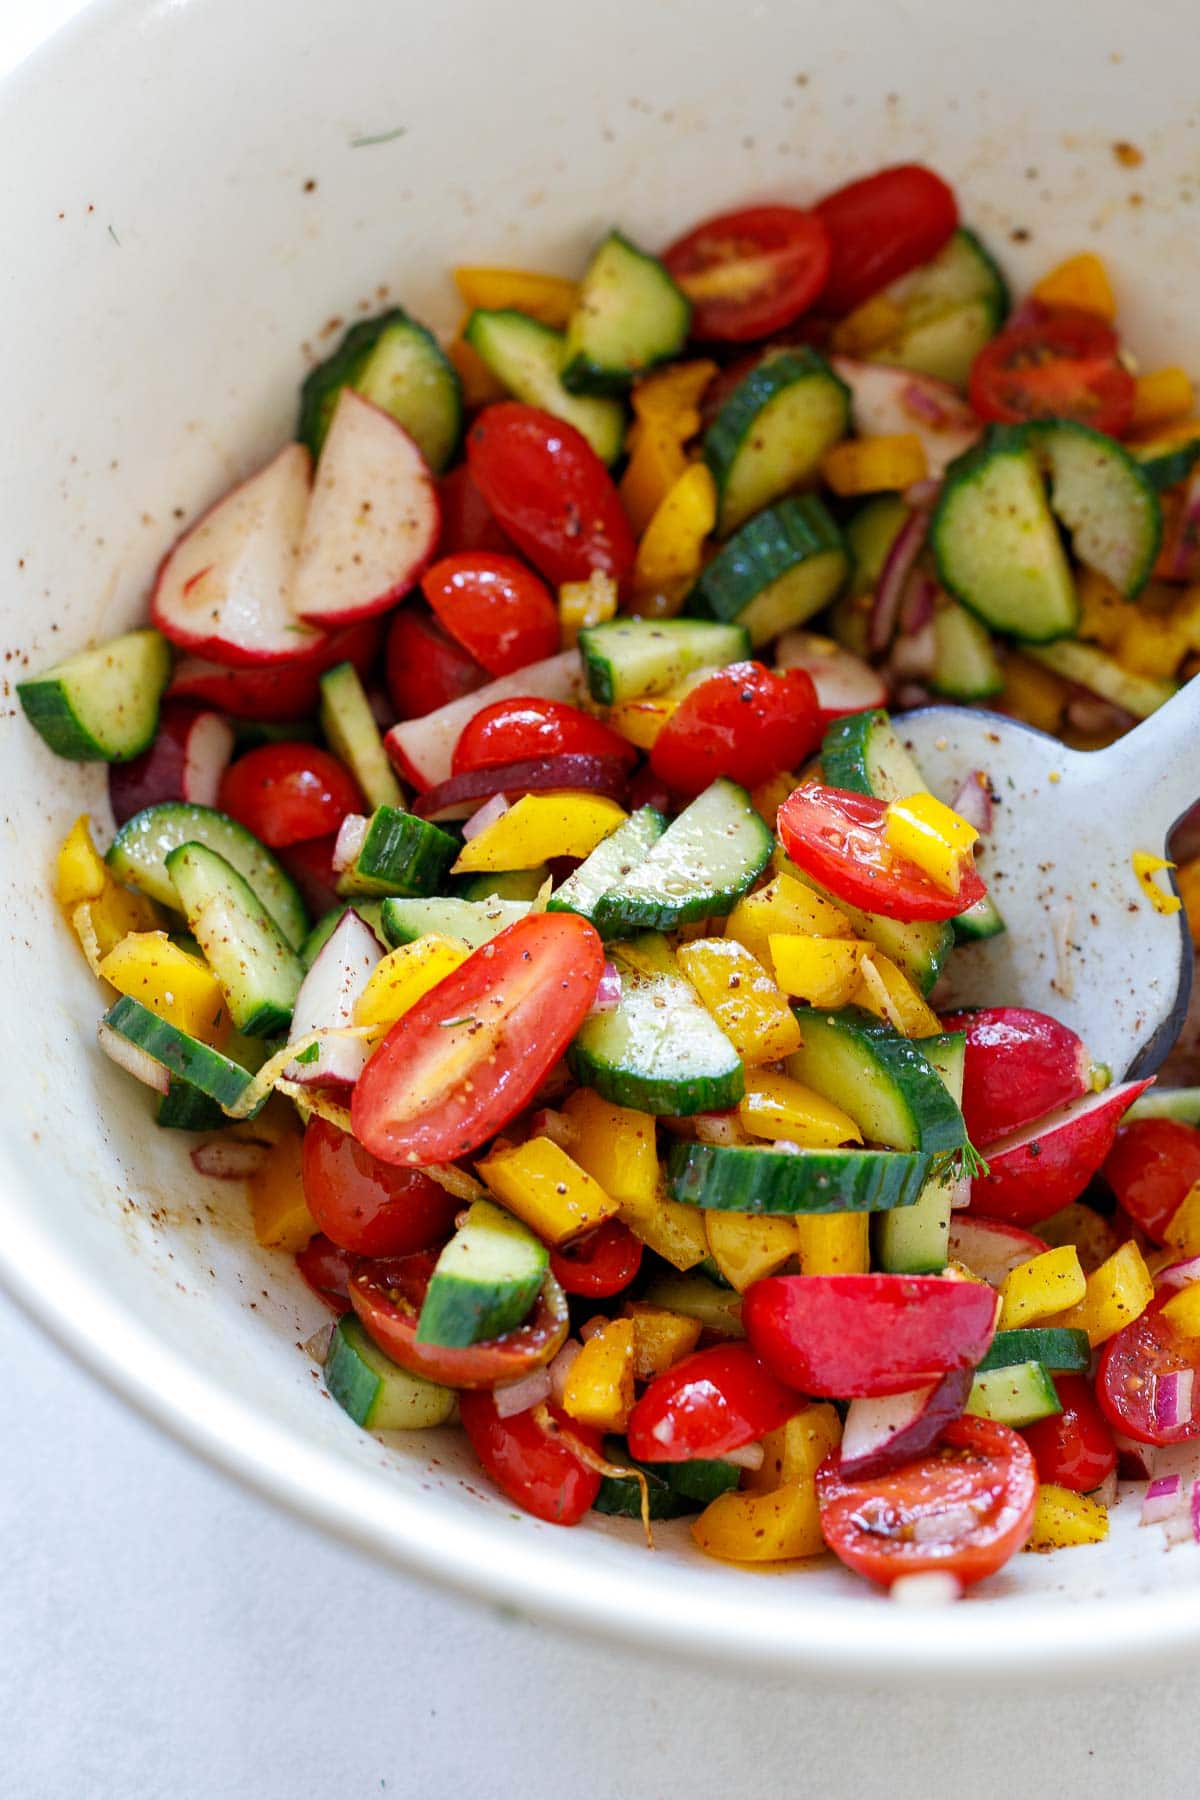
{"x":317,"y":1346}
{"x":1106,"y":1493}
{"x":553,"y":1125}
{"x":1180,"y":1274}
{"x":750,"y":1456}
{"x":352,"y":835}
{"x":923,"y":402}
{"x":973,"y":801}
{"x":1181,"y":560}
{"x":459,"y":795}
{"x":1163,"y":1497}
{"x":518,"y":1396}
{"x":885,"y":611}
{"x":228,"y":1159}
{"x":594,"y":1325}
{"x":488,"y":813}
{"x":1195,"y":1511}
{"x":133,"y":1059}
{"x":922,"y":495}
{"x":910,"y":694}
{"x":560,"y":1367}
{"x":1136,"y":1459}
{"x":929,"y":1587}
{"x":1173,"y":1398}
{"x":960,"y":1193}
{"x":1088,"y":712}
{"x":916,"y":608}
{"x":608,"y":994}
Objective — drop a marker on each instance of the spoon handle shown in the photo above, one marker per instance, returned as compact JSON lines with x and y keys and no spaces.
{"x":1154,"y":771}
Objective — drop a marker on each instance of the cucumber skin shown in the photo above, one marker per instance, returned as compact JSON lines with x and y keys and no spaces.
{"x":283,"y":903}
{"x":1169,"y":467}
{"x":728,"y":432}
{"x":942,"y":1128}
{"x":733,"y":1178}
{"x":271,"y":1011}
{"x":843,"y":750}
{"x":645,"y":820}
{"x":195,"y":1063}
{"x":988,"y":923}
{"x":620,"y":913}
{"x":320,"y":390}
{"x":660,"y":1095}
{"x":48,"y":707}
{"x":458,"y":1312}
{"x":674,"y":1489}
{"x":402,"y":856}
{"x":762,"y":551}
{"x":1058,"y":1347}
{"x":184,"y":1108}
{"x":1043,"y":430}
{"x":603,"y":682}
{"x":583,"y":374}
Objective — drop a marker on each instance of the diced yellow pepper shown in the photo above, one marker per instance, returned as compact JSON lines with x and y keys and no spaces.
{"x":538,"y":828}
{"x":823,"y":971}
{"x":869,"y":327}
{"x":584,"y":603}
{"x":479,"y":386}
{"x":1063,"y":1518}
{"x":770,"y":795}
{"x":931,"y":835}
{"x":834,"y":1243}
{"x":80,"y":872}
{"x":118,"y":912}
{"x":82,"y":878}
{"x":784,"y":906}
{"x":886,"y":991}
{"x":668,"y":1227}
{"x":641,"y":720}
{"x":174,"y":985}
{"x":795,"y":1451}
{"x":1046,"y":1284}
{"x":1187,"y":877}
{"x":775,"y":1106}
{"x":760,"y":1528}
{"x":742,"y":998}
{"x":547,"y":1189}
{"x":660,"y":1338}
{"x":1103,"y":610}
{"x":1160,"y":398}
{"x":1081,"y":281}
{"x":746,"y":1247}
{"x":278,"y":1208}
{"x":1034,"y":694}
{"x":873,"y":465}
{"x":404,"y":976}
{"x":1183,"y":1227}
{"x":1146,"y":867}
{"x":549,"y":298}
{"x":599,"y":1387}
{"x":674,"y":394}
{"x":669,"y":552}
{"x":1183,"y":1310}
{"x":1153,"y":641}
{"x":656,"y":464}
{"x":1118,"y":1292}
{"x":615,"y":1145}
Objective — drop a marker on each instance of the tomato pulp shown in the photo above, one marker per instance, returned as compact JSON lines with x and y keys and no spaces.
{"x":838,"y":839}
{"x":746,"y":721}
{"x":1148,"y":1382}
{"x":603,"y":1262}
{"x":370,"y":1207}
{"x":1060,"y":364}
{"x":1074,"y":1448}
{"x":285,"y":793}
{"x":1151,"y":1167}
{"x":750,"y":272}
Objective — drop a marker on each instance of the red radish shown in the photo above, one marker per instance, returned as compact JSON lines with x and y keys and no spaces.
{"x":423,"y":749}
{"x":226,"y":587}
{"x":185,"y":762}
{"x":425,"y":668}
{"x":1042,"y":1168}
{"x":327,"y":998}
{"x":844,"y":683}
{"x":1020,"y":1065}
{"x":881,"y":1434}
{"x":991,"y":1248}
{"x":888,"y":400}
{"x":848,"y":1336}
{"x":467,"y":522}
{"x":373,"y":519}
{"x":310,"y":865}
{"x":458,"y":797}
{"x":280,"y":690}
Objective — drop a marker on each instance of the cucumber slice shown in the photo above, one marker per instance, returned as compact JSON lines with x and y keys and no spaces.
{"x":916,"y":1241}
{"x":1015,"y":1395}
{"x":951,"y":306}
{"x":485,"y":1281}
{"x":705,"y":860}
{"x":473,"y":921}
{"x":944,"y":346}
{"x":400,"y":854}
{"x":673,"y":1489}
{"x":352,"y":734}
{"x":138,"y":856}
{"x":202,"y":1068}
{"x":376,"y":1392}
{"x":399,"y":366}
{"x":892,"y":1092}
{"x":1103,"y":497}
{"x":184,"y":1108}
{"x":510,"y":884}
{"x":863,"y":754}
{"x":965,"y":665}
{"x":101,"y":705}
{"x":609,"y":863}
{"x":625,"y":659}
{"x":1054,"y":1346}
{"x":772,"y":432}
{"x":734,"y":1178}
{"x":259,"y":972}
{"x":777,"y":571}
{"x":719,"y":1309}
{"x":629,"y":316}
{"x":920,"y":949}
{"x":1092,"y":668}
{"x":659,"y":1051}
{"x":369,"y":911}
{"x":528,"y":358}
{"x":1167,"y":460}
{"x":979,"y":922}
{"x":870,"y":535}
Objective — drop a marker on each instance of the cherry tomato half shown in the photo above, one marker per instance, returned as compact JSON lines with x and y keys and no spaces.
{"x":1073,"y":1449}
{"x":602,"y":1263}
{"x":1150,"y":1169}
{"x":712,"y":1402}
{"x":327,"y":1268}
{"x":1063,"y":364}
{"x":310,"y":865}
{"x":964,"y":1508}
{"x":424,"y":666}
{"x":551,"y":493}
{"x":387,"y":1296}
{"x":467,"y":524}
{"x":837,"y":838}
{"x":748,"y":273}
{"x":474,"y":1050}
{"x":1130,"y":1382}
{"x":516,"y":730}
{"x":495,"y":607}
{"x":746,"y":721}
{"x":880,"y":228}
{"x":536,"y":1469}
{"x":285,"y":793}
{"x":370,"y":1207}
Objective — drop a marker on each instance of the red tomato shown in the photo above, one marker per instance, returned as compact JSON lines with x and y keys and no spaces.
{"x":745,"y":721}
{"x":327,"y":1268}
{"x":837,"y":838}
{"x":551,"y":493}
{"x":1075,"y":1448}
{"x":466,"y":522}
{"x":516,"y":730}
{"x":425,"y":668}
{"x":387,"y":1297}
{"x":749,"y":273}
{"x":711,"y":1403}
{"x":474,"y":1050}
{"x":310,"y":865}
{"x":862,"y":1336}
{"x":1020,"y":1065}
{"x":1063,"y":365}
{"x":495,"y":607}
{"x":1150,"y":1168}
{"x":281,"y":690}
{"x":602,"y":1263}
{"x":372,"y":1208}
{"x":536,"y":1469}
{"x":880,"y":228}
{"x":1131,"y":1382}
{"x":964,"y":1508}
{"x":285,"y":793}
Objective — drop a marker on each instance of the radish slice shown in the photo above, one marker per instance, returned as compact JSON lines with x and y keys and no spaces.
{"x":844,"y":683}
{"x":460,"y":795}
{"x":1043,"y":1167}
{"x":881,"y":1434}
{"x":225,"y":589}
{"x":887,"y":400}
{"x":207,"y":752}
{"x":423,"y":749}
{"x":486,"y":815}
{"x":352,"y":835}
{"x":327,"y":998}
{"x":991,"y":1248}
{"x":893,"y":581}
{"x":229,"y":1159}
{"x":133,"y":1059}
{"x":1175,"y":1275}
{"x":185,"y":762}
{"x":373,"y":521}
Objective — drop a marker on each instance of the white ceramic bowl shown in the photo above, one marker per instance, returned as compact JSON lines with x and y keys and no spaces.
{"x":195,"y":191}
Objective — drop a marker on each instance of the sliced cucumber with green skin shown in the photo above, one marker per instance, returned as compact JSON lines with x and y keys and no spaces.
{"x":629,"y":316}
{"x":919,"y":949}
{"x":369,"y":911}
{"x":718,"y":1308}
{"x":528,"y":358}
{"x":259,"y":972}
{"x":138,"y":857}
{"x":892,"y":1092}
{"x":944,"y":346}
{"x":1015,"y":1395}
{"x":101,"y":705}
{"x":916,"y":1240}
{"x":744,"y":1179}
{"x":473,"y":921}
{"x":184,"y":1108}
{"x":863,"y":754}
{"x":1092,"y":668}
{"x":1103,"y":497}
{"x":870,"y":535}
{"x":1056,"y":1347}
{"x":485,"y":1281}
{"x":400,"y":854}
{"x":375,"y":1391}
{"x":673,"y":1489}
{"x":1166,"y":461}
{"x":626,"y":659}
{"x":659,"y":1051}
{"x":981,"y":921}
{"x":965,"y":664}
{"x":772,"y":432}
{"x":509,"y":884}
{"x":700,"y":867}
{"x":1168,"y":1103}
{"x":248,"y":734}
{"x":352,"y":734}
{"x":951,"y":305}
{"x":399,"y":366}
{"x":609,"y":863}
{"x":783,"y":566}
{"x":197,"y":1064}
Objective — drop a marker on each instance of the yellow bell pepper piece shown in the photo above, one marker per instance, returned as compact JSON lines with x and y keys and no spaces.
{"x":674,"y":394}
{"x":655,"y":465}
{"x":176,"y":986}
{"x":668,"y":1227}
{"x":1146,"y":867}
{"x":775,"y":1106}
{"x":661,"y":1338}
{"x":615,"y":1145}
{"x":669,"y":553}
{"x":1081,"y":281}
{"x":869,"y":327}
{"x":404,"y":975}
{"x":583,"y":603}
{"x":479,"y":386}
{"x":1183,"y":1310}
{"x":770,"y":796}
{"x":742,"y":998}
{"x":549,"y":298}
{"x":834,"y":1243}
{"x":783,"y":907}
{"x":599,"y":1388}
{"x":1118,"y":1292}
{"x":781,"y":1526}
{"x":873,"y":465}
{"x":278,"y":1208}
{"x":1183,"y":1227}
{"x":547,"y":1189}
{"x":118,"y":912}
{"x":82,"y":879}
{"x":641,"y":720}
{"x":1045,"y":1285}
{"x":80,"y":873}
{"x":1062,"y":1518}
{"x":746,"y":1247}
{"x":793,"y":1452}
{"x":1103,"y":611}
{"x":538,"y":828}
{"x":886,"y":991}
{"x":823,"y":971}
{"x":931,"y":835}
{"x":1034,"y":694}
{"x":1161,"y":398}
{"x":1187,"y":878}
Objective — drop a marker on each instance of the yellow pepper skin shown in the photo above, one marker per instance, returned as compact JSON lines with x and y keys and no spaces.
{"x":823,"y":971}
{"x":1034,"y":694}
{"x":775,"y":1106}
{"x":668,"y":1227}
{"x":1045,"y":1285}
{"x":886,"y":991}
{"x":781,"y":1526}
{"x":278,"y":1208}
{"x":874,"y":465}
{"x":117,"y":912}
{"x":615,"y":1145}
{"x":1183,"y":1227}
{"x":82,"y":878}
{"x":1081,"y":281}
{"x":583,"y":603}
{"x":1118,"y":1292}
{"x":932,"y":836}
{"x":661,"y":1338}
{"x":745,"y":1248}
{"x":404,"y":975}
{"x":599,"y":1388}
{"x":834,"y":1243}
{"x":547,"y":1190}
{"x":869,"y":327}
{"x":1103,"y":610}
{"x":785,"y":907}
{"x":548,"y":298}
{"x":1063,"y":1519}
{"x":1162,"y":397}
{"x":793,"y":1452}
{"x":674,"y":394}
{"x":641,"y":720}
{"x":742,"y":998}
{"x":666,"y":409}
{"x":538,"y":828}
{"x":1146,"y":867}
{"x":175,"y":986}
{"x":669,"y":553}
{"x":80,"y":872}
{"x":1183,"y":1310}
